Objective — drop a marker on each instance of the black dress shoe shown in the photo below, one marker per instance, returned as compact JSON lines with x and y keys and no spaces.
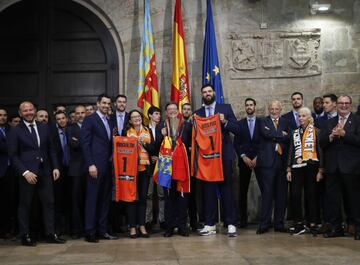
{"x":339,"y":232}
{"x":91,"y":239}
{"x":107,"y":236}
{"x":76,"y":236}
{"x":163,"y":225}
{"x":26,"y":240}
{"x":143,"y":235}
{"x":281,"y":230}
{"x":148,"y":226}
{"x":54,"y":239}
{"x":260,"y":231}
{"x":183,"y":232}
{"x":169,"y":233}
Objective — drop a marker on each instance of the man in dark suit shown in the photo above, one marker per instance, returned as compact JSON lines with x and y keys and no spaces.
{"x":246,"y":144}
{"x":62,"y":193}
{"x":34,"y":159}
{"x":154,"y":115}
{"x":211,"y":189}
{"x":341,"y":144}
{"x":176,"y":204}
{"x":76,"y":173}
{"x":271,"y":168}
{"x":6,"y":202}
{"x":96,"y":144}
{"x":292,"y":116}
{"x":318,"y":106}
{"x":120,"y":118}
{"x":329,"y":103}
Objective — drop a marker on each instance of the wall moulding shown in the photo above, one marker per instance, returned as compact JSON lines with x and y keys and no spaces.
{"x":275,"y":54}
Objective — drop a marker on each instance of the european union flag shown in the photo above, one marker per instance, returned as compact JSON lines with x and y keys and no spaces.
{"x":211,"y":67}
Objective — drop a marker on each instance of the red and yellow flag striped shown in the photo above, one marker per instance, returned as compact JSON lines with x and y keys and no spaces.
{"x":180,"y":90}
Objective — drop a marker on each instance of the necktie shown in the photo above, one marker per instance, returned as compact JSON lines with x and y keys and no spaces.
{"x":121,"y":123}
{"x":251,"y":127}
{"x":107,"y":127}
{"x":65,"y":159}
{"x":297,"y":119}
{"x":33,"y":134}
{"x":208,"y":110}
{"x":342,"y":121}
{"x":276,"y":123}
{"x":3,"y":131}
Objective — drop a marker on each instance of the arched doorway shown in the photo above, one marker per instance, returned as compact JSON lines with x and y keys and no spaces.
{"x":55,"y":52}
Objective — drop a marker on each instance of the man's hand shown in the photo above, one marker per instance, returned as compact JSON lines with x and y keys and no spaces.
{"x":93,"y":171}
{"x":319,"y":176}
{"x":164,"y":131}
{"x":284,"y":133}
{"x":222,"y":118}
{"x":288,"y":176}
{"x":253,"y":162}
{"x":154,"y":159}
{"x":247,"y":161}
{"x":56,"y":174}
{"x":31,"y":178}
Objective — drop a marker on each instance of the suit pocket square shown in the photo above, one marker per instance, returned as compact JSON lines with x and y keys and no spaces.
{"x":267,"y":128}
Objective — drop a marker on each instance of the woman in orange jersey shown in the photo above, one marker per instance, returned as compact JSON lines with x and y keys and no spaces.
{"x":136,"y":210}
{"x":305,"y":169}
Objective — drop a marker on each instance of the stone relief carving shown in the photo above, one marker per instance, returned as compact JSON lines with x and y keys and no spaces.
{"x":274,"y":54}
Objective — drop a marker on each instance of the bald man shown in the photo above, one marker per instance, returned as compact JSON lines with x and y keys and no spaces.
{"x":34,"y":159}
{"x":271,"y":168}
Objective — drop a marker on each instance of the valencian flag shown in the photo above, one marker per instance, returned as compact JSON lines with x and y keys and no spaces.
{"x":148,"y":90}
{"x":180,"y":91}
{"x":211,"y":66}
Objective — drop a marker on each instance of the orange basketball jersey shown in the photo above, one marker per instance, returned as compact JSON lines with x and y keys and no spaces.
{"x":126,"y":167}
{"x":206,"y":149}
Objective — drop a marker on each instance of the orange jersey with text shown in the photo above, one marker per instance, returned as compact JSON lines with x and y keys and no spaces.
{"x":206,"y":149}
{"x":126,"y":168}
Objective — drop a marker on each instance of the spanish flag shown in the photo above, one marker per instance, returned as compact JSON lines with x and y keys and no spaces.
{"x":148,"y":90}
{"x":180,"y":91}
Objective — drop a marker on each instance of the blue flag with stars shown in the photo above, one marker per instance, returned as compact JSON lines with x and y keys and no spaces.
{"x":211,"y":67}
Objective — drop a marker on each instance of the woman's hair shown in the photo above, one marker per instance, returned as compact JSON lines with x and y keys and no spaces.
{"x":129,"y":125}
{"x":307,"y":112}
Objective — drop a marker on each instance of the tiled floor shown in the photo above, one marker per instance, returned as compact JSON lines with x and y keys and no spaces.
{"x":247,"y":248}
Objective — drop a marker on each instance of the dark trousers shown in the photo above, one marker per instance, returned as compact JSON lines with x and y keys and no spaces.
{"x":211,"y":192}
{"x":8,"y":201}
{"x":44,"y":188}
{"x":176,"y":205}
{"x":350,"y":185}
{"x":62,"y":199}
{"x":78,"y":186}
{"x":136,"y":211}
{"x":273,"y":186}
{"x":193,"y":212}
{"x":244,"y":181}
{"x":304,"y":179}
{"x":97,"y":202}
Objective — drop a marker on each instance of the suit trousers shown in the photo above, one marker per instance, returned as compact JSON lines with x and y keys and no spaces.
{"x":223,"y":190}
{"x":273,"y":186}
{"x":97,"y":202}
{"x":336,"y":184}
{"x":136,"y":211}
{"x":78,"y":186}
{"x":62,"y":196}
{"x":150,"y":200}
{"x":244,"y":181}
{"x":44,"y":188}
{"x":7,"y":201}
{"x":304,"y":179}
{"x":193,"y":210}
{"x":176,"y":205}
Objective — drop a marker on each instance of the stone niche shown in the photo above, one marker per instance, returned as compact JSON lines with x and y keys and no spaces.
{"x":274,"y":54}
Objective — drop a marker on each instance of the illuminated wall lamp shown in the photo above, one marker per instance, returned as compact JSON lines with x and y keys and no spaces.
{"x":319,"y":8}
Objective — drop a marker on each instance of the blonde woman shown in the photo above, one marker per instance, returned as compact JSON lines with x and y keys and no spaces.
{"x":305,"y":169}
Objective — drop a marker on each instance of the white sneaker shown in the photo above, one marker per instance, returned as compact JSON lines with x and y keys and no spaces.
{"x":232,"y":231}
{"x":208,"y":230}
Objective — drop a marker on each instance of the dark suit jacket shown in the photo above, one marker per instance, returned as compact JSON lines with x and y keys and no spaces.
{"x":25,"y":153}
{"x":269,"y":138}
{"x":95,"y":144}
{"x":228,"y":152}
{"x":343,"y":153}
{"x":243,"y":142}
{"x":289,"y":117}
{"x":4,"y":155}
{"x":114,"y":124}
{"x":320,"y":122}
{"x":76,"y":160}
{"x":55,"y":137}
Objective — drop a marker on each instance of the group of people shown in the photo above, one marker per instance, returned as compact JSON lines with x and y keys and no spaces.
{"x":68,"y":165}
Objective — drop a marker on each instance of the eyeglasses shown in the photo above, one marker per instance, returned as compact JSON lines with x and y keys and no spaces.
{"x":344,"y":103}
